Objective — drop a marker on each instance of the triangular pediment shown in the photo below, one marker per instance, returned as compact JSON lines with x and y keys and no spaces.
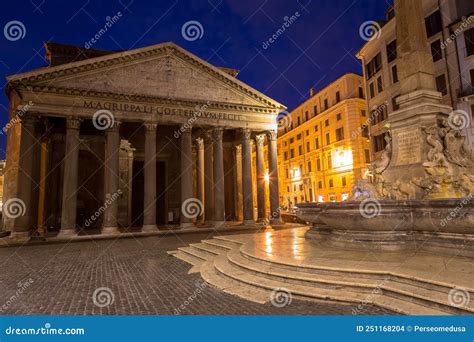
{"x":162,"y":71}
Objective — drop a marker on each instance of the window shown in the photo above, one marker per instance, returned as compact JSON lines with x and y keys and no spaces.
{"x":326,"y":123}
{"x":436,"y":51}
{"x":331,"y":183}
{"x":309,"y":166}
{"x":379,"y":142}
{"x":308,"y":148}
{"x":340,"y":134}
{"x":328,"y":139}
{"x":287,"y":176}
{"x":339,"y":117}
{"x":363,"y":113}
{"x":316,"y":128}
{"x":373,"y":66}
{"x":367,"y":156}
{"x":301,"y":188}
{"x":298,"y":137}
{"x":320,"y":184}
{"x":316,"y":143}
{"x":318,"y":164}
{"x":361,"y":93}
{"x":392,"y":51}
{"x":292,"y":153}
{"x":338,"y":96}
{"x":433,"y":24}
{"x":292,"y":140}
{"x":395,"y":105}
{"x":329,"y":162}
{"x":307,"y":115}
{"x":372,"y":90}
{"x":287,"y":189}
{"x":299,"y":120}
{"x":365,"y":131}
{"x":379,"y":84}
{"x":472,"y":77}
{"x":315,"y":110}
{"x":469,"y":40}
{"x":307,"y":132}
{"x":343,"y":181}
{"x":286,"y":157}
{"x":394,"y":74}
{"x":300,"y":150}
{"x":441,"y":85}
{"x":326,"y":104}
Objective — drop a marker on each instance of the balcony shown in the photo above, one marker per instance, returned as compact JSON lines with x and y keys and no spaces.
{"x":466,"y":92}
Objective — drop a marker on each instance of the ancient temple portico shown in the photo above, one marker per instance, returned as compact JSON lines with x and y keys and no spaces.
{"x":113,"y":142}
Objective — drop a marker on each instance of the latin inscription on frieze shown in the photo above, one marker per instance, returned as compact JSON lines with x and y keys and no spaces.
{"x":408,"y":147}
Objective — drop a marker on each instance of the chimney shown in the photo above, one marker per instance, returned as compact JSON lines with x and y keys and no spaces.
{"x":311,"y":92}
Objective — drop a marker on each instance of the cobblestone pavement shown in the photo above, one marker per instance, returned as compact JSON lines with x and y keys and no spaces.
{"x":60,"y":279}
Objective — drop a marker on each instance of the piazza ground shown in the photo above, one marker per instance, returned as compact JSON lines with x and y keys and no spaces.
{"x":144,"y":279}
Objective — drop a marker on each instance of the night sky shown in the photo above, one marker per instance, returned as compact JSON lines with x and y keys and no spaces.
{"x":316,"y":48}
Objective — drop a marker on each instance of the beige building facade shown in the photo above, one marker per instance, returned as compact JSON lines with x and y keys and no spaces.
{"x":449,"y":36}
{"x":111,"y":142}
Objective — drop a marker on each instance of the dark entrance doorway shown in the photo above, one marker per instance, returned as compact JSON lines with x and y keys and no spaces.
{"x":138,"y":189}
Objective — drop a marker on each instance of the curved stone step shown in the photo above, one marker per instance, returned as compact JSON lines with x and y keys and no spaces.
{"x":207,"y":248}
{"x":224,"y":245}
{"x":195,"y":252}
{"x":341,"y":294}
{"x":407,"y":292}
{"x":232,"y":242}
{"x":190,"y":259}
{"x":363,"y":274}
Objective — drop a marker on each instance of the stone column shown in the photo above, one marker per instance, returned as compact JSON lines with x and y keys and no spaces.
{"x":239,"y":216}
{"x":19,"y":209}
{"x":112,"y":151}
{"x":149,"y":168}
{"x":208,"y":179}
{"x":247,"y":188}
{"x":200,"y":176}
{"x":273,"y":178}
{"x":189,"y":210}
{"x":259,"y":140}
{"x":219,"y":199}
{"x":69,"y":206}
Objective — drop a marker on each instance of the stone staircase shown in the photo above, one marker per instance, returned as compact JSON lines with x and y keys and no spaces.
{"x":224,"y":264}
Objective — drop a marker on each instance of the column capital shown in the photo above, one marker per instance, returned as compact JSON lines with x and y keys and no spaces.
{"x":259,"y":140}
{"x":238,"y":148}
{"x":246,"y":133}
{"x":29,"y":120}
{"x":150,"y":127}
{"x":272,"y":135}
{"x":199,"y":143}
{"x":186,"y":129}
{"x":73,"y":123}
{"x":114,"y":126}
{"x":217,"y":133}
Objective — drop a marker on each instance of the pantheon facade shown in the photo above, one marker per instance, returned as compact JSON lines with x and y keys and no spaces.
{"x":106,"y":142}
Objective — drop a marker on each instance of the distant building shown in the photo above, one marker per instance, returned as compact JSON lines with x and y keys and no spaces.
{"x":323,"y":146}
{"x":450,"y":37}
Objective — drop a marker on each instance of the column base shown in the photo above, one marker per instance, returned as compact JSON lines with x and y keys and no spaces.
{"x":67,"y":233}
{"x":219,"y":224}
{"x":249,"y":223}
{"x":110,"y":230}
{"x":146,"y":228}
{"x":185,"y":225}
{"x":22,"y":236}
